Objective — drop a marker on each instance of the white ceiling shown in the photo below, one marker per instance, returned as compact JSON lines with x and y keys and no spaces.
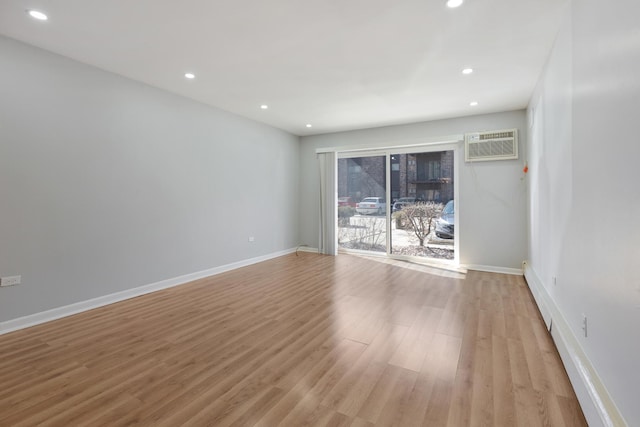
{"x":337,"y":64}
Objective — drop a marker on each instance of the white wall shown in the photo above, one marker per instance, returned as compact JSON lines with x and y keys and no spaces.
{"x":492,"y":200}
{"x":107,"y":184}
{"x":585,"y":202}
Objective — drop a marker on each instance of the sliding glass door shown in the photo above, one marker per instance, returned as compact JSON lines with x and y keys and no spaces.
{"x":422,"y":190}
{"x":399,"y":203}
{"x":362,"y":203}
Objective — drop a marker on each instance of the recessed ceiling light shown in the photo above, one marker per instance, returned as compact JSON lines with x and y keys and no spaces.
{"x":264,"y":106}
{"x":37,"y":15}
{"x":308,"y":125}
{"x":473,"y":103}
{"x":454,"y":3}
{"x":467,"y":71}
{"x":190,"y":75}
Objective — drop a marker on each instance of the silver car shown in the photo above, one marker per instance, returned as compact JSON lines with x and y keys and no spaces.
{"x":444,"y":224}
{"x":371,"y":205}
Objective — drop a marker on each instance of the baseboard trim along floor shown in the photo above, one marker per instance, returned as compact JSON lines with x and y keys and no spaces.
{"x":79,"y":307}
{"x":597,"y":404}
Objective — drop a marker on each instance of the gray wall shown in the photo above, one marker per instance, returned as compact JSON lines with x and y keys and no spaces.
{"x":584,"y":197}
{"x":492,"y":199}
{"x":107,"y":184}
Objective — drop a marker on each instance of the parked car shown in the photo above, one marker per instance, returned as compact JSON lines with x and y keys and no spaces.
{"x":402,"y":202}
{"x":444,"y":224}
{"x":371,"y":205}
{"x":346,"y":201}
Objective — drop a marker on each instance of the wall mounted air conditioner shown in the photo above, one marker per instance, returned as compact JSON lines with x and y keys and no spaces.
{"x":494,"y":145}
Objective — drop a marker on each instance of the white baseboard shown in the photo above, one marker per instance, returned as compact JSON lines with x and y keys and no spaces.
{"x":68,"y":310}
{"x":597,"y":405}
{"x":493,"y":269}
{"x":307,"y":249}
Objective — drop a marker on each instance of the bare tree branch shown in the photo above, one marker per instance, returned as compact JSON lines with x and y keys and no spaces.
{"x":419,"y":217}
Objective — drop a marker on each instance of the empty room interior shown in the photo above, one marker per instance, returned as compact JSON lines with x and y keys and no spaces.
{"x":319,"y":213}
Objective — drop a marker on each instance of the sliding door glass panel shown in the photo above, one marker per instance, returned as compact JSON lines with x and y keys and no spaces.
{"x":422,"y":218}
{"x":362,"y":207}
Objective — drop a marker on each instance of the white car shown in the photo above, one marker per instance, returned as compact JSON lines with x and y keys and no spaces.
{"x":371,"y":205}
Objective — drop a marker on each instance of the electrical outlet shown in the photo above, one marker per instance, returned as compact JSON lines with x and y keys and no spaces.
{"x":10,"y":280}
{"x":252,"y":239}
{"x":584,"y":324}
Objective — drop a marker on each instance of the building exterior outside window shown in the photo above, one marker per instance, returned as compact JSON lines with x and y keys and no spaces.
{"x":425,"y":176}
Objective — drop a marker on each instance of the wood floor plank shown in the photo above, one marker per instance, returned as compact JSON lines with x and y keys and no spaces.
{"x":503,"y":403}
{"x":399,"y":400}
{"x":352,"y":389}
{"x":416,"y":343}
{"x":383,"y":392}
{"x":300,"y":340}
{"x":439,"y":363}
{"x":437,"y":413}
{"x":460,"y":409}
{"x":482,"y":405}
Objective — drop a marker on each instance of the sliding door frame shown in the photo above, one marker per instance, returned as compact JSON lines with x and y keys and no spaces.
{"x":454,"y":146}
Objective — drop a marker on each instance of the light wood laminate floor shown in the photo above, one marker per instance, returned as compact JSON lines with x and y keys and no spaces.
{"x":304,"y":340}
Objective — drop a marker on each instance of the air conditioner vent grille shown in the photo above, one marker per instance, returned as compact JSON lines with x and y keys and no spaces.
{"x":495,"y":145}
